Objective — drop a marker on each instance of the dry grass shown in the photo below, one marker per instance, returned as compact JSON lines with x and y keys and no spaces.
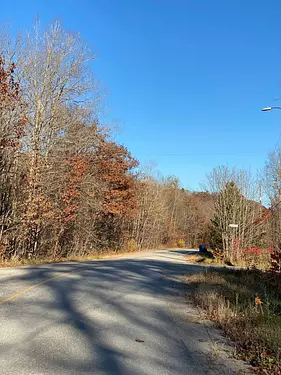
{"x":194,"y":258}
{"x":104,"y":254}
{"x":200,"y":258}
{"x":261,"y":260}
{"x":17,"y":262}
{"x":247,"y":305}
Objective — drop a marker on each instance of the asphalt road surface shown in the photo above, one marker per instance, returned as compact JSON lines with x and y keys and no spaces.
{"x":98,"y":317}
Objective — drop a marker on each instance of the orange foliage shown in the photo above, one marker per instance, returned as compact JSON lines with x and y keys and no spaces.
{"x":77,"y":169}
{"x":10,"y":100}
{"x":114,"y":171}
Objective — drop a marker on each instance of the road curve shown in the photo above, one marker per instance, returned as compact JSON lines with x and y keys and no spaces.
{"x":98,"y":317}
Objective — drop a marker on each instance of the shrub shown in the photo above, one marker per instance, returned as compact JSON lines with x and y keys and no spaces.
{"x":132,"y":245}
{"x":180,"y":243}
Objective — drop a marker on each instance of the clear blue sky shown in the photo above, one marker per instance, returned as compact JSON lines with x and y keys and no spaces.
{"x":186,"y":78}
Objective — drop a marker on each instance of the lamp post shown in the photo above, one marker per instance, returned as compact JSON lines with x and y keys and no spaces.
{"x":265,"y":109}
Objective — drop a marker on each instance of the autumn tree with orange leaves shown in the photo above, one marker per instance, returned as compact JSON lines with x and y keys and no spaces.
{"x":118,"y":184}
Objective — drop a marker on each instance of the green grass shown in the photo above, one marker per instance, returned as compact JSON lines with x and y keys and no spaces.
{"x":247,"y":305}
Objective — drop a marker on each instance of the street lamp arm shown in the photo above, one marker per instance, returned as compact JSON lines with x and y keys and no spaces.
{"x":270,"y":108}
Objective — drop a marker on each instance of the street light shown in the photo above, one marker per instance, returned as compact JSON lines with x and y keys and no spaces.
{"x":270,"y":108}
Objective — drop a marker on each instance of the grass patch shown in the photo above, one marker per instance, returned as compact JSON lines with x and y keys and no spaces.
{"x":194,"y":258}
{"x":201,"y":258}
{"x":247,"y":305}
{"x":104,"y":254}
{"x":252,"y":258}
{"x":16,"y":262}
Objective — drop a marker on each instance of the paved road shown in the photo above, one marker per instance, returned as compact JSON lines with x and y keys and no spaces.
{"x":85,"y":318}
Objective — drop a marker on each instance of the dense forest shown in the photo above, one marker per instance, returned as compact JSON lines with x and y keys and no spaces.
{"x":67,"y":188}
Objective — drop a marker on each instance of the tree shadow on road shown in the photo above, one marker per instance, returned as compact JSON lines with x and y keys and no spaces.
{"x":98,"y":308}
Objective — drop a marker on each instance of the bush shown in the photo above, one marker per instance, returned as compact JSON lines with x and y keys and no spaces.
{"x":181,"y":243}
{"x":132,"y":245}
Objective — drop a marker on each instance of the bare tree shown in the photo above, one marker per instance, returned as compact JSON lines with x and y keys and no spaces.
{"x":236,"y":192}
{"x":12,"y":123}
{"x":54,"y":75}
{"x":272,"y":184}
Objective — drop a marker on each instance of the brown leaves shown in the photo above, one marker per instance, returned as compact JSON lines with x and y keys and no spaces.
{"x":39,"y":212}
{"x":13,"y":120}
{"x":9,"y":89}
{"x":115,"y":172}
{"x":77,"y":168}
{"x":258,"y":301}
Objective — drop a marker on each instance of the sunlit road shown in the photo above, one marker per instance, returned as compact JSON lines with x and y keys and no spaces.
{"x":98,"y":317}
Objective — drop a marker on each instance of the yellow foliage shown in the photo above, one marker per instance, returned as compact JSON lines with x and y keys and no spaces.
{"x":258,"y":301}
{"x":132,"y":245}
{"x":181,"y":243}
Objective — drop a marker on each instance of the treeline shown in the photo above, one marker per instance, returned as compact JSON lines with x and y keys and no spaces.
{"x":168,"y":214}
{"x":66,"y":187}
